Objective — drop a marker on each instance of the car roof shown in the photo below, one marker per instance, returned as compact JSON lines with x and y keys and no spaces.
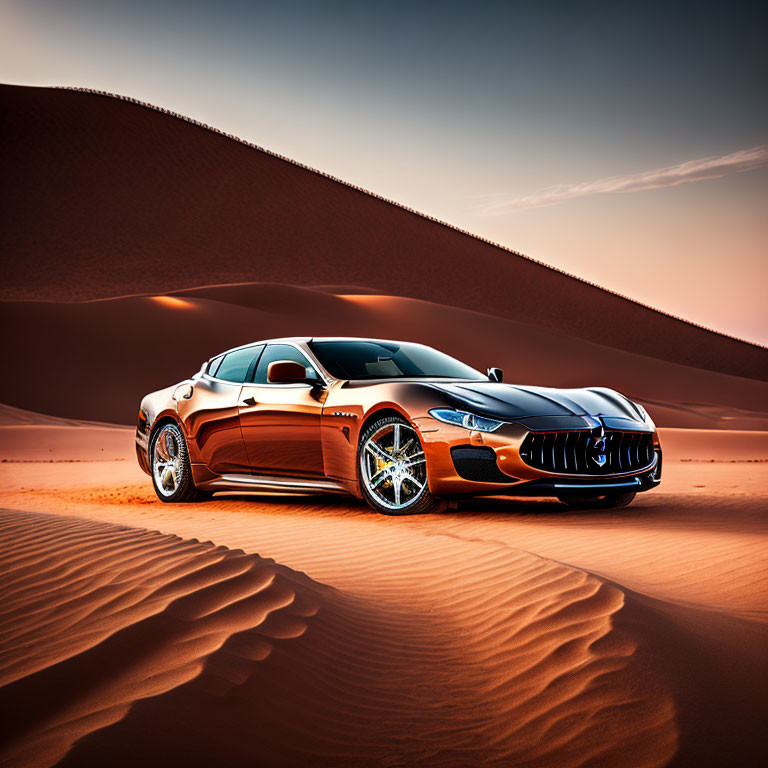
{"x":306,"y":339}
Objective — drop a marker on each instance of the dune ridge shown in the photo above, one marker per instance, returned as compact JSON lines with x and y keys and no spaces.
{"x":507,"y":658}
{"x":193,"y":207}
{"x":111,"y":615}
{"x":351,"y":289}
{"x":112,"y":365}
{"x":19,"y":417}
{"x":29,"y":437}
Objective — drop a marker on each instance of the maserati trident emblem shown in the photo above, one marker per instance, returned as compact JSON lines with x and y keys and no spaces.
{"x":598,"y":449}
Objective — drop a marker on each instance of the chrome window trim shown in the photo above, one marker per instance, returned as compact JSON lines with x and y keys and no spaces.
{"x":208,"y":376}
{"x":221,"y":381}
{"x":300,"y":346}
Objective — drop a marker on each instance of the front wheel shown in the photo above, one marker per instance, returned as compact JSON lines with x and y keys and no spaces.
{"x":393,"y":469}
{"x":171,"y":470}
{"x":606,"y":501}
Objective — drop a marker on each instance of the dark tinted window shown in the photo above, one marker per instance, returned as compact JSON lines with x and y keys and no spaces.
{"x":235,"y":365}
{"x":384,"y":360}
{"x":275,"y":352}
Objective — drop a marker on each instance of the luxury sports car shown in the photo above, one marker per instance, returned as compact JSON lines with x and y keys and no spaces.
{"x":399,"y":424}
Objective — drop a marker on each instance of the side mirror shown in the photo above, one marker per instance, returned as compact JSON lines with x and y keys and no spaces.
{"x":495,"y":374}
{"x":286,"y":372}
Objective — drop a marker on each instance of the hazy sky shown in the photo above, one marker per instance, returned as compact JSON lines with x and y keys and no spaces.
{"x":622,"y":142}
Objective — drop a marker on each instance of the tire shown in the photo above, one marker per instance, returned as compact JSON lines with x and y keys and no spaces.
{"x":168,"y":449}
{"x":607,"y":501}
{"x":397,"y":487}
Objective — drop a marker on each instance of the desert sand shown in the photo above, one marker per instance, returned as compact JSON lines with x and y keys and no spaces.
{"x":307,"y":630}
{"x":284,"y":630}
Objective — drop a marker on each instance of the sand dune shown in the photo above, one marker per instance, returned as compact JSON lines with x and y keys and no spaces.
{"x":111,"y":616}
{"x":195,"y":208}
{"x":18,"y":417}
{"x":238,"y":657}
{"x":26,"y":436}
{"x":114,"y":362}
{"x":509,"y":632}
{"x":119,"y":199}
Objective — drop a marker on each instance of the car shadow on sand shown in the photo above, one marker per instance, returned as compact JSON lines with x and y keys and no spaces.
{"x":491,"y":506}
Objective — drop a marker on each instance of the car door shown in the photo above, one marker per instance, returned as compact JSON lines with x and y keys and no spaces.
{"x":281,"y":422}
{"x":211,"y":413}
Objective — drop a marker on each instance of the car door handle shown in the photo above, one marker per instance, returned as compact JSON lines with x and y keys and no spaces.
{"x":249,"y":400}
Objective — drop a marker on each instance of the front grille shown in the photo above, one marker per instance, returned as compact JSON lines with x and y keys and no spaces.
{"x":578,"y":452}
{"x":478,"y":464}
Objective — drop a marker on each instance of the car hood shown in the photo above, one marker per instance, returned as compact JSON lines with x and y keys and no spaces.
{"x":545,"y":408}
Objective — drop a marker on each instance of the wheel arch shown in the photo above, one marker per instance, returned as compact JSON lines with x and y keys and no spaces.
{"x":380,"y":412}
{"x":168,"y":417}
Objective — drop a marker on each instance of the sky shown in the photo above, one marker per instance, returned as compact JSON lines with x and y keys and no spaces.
{"x":626,"y":143}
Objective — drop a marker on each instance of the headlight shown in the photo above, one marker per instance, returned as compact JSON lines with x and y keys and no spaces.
{"x":464,"y":419}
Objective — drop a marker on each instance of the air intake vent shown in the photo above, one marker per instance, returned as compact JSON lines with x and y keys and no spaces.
{"x":583,"y":453}
{"x":478,"y":464}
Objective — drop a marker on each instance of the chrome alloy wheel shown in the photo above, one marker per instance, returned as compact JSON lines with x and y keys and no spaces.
{"x":393,"y":466}
{"x":167,"y":461}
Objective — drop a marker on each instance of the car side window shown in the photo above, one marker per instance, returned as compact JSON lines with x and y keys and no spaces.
{"x":213,"y":366}
{"x":236,"y":365}
{"x":275,"y":352}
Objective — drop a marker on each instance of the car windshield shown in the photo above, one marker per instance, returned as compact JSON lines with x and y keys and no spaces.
{"x":387,"y":360}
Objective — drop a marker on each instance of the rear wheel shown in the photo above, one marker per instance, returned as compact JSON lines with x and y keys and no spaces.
{"x":171,"y":470}
{"x":606,"y":501}
{"x":393,"y":469}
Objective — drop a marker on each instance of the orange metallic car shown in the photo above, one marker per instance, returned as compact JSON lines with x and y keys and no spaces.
{"x":399,"y":424}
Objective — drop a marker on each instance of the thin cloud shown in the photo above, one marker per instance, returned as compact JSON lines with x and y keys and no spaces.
{"x":671,"y":176}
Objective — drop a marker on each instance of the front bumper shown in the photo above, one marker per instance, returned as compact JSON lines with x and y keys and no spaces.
{"x":505,"y":472}
{"x":566,"y":486}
